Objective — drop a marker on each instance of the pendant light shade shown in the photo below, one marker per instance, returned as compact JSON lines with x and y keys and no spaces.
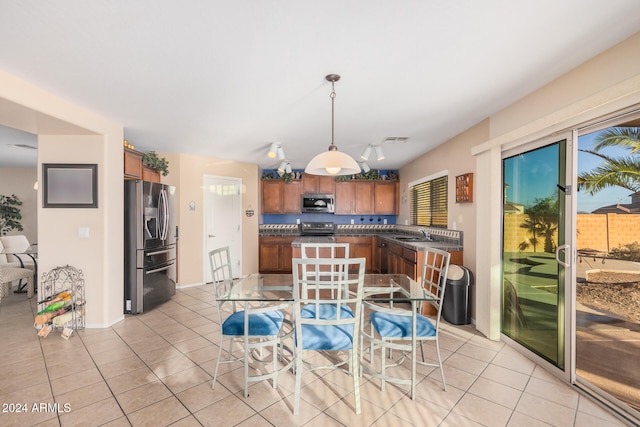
{"x":332,"y":162}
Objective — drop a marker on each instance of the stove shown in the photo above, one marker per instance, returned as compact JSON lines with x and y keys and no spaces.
{"x":317,"y":229}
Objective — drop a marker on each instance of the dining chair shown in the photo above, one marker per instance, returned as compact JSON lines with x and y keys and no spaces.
{"x":322,"y":250}
{"x":255,"y":327}
{"x":326,"y":323}
{"x":392,"y":327}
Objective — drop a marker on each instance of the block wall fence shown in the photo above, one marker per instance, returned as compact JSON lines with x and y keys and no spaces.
{"x":601,"y":232}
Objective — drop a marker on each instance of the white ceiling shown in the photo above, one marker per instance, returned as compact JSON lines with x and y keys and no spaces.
{"x":227,"y":78}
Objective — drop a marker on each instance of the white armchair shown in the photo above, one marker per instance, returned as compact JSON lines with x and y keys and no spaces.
{"x":17,"y":243}
{"x":12,"y":254}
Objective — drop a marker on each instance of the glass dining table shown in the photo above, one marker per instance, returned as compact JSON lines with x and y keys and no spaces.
{"x":279,"y":287}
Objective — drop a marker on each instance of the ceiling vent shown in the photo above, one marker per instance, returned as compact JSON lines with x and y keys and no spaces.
{"x":395,"y":140}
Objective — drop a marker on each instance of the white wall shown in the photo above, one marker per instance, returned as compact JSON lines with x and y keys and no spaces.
{"x":69,"y":133}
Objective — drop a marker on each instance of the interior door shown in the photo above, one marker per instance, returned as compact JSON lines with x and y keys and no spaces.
{"x":223,"y":220}
{"x":535,"y":255}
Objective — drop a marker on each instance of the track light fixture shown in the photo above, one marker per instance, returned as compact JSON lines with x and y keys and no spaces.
{"x":365,"y":167}
{"x":367,"y":152}
{"x":280,"y":153}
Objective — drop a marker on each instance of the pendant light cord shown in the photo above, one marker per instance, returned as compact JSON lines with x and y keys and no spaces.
{"x":333,"y":97}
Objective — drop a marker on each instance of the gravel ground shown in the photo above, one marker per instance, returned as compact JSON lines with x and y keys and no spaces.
{"x":614,"y":292}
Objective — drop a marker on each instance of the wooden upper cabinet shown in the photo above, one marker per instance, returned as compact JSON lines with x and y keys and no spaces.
{"x":354,"y":197}
{"x":364,"y":197}
{"x":345,"y":197}
{"x":386,"y":198}
{"x":318,"y":184}
{"x":280,"y":197}
{"x":134,"y":169}
{"x":132,"y":164}
{"x":150,"y":174}
{"x":291,"y":202}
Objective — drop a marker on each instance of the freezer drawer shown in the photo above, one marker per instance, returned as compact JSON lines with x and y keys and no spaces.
{"x":152,"y":286}
{"x":149,"y":257}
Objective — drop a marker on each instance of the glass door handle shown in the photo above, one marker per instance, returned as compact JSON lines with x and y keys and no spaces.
{"x":564,"y":248}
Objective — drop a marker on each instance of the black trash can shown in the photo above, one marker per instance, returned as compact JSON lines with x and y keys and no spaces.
{"x":456,"y":308}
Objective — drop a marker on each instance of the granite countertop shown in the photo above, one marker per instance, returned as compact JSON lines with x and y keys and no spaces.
{"x":390,"y":237}
{"x":411,"y":237}
{"x":420,"y":245}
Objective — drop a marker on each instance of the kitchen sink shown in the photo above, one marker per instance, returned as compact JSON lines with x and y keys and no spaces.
{"x":412,"y":239}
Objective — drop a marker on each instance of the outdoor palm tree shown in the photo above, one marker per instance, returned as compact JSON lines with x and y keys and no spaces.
{"x":541,"y":221}
{"x":621,"y":171}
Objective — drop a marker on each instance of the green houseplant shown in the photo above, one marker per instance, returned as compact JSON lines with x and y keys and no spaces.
{"x":10,"y":215}
{"x":152,"y":161}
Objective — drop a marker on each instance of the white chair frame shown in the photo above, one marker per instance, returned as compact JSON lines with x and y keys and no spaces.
{"x":318,"y":299}
{"x":433,"y":279}
{"x":220,"y":261}
{"x":322,"y":250}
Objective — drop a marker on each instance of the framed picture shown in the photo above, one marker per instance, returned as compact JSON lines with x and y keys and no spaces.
{"x":69,"y":185}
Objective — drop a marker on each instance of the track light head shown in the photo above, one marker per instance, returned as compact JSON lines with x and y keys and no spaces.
{"x":273,"y":149}
{"x":366,"y":153}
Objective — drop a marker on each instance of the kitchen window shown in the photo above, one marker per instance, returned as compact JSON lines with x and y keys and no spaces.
{"x":428,"y":201}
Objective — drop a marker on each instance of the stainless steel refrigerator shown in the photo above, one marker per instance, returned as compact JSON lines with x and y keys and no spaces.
{"x":150,"y":235}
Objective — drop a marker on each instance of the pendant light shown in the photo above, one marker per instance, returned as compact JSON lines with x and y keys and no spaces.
{"x":332,"y":162}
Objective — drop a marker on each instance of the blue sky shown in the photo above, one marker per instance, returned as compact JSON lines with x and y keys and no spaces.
{"x":537,"y":178}
{"x":587,"y":162}
{"x":532,"y":175}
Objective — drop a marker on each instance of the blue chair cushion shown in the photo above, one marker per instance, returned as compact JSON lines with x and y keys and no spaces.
{"x":327,"y":311}
{"x":393,"y":326}
{"x":327,"y":337}
{"x":263,"y":324}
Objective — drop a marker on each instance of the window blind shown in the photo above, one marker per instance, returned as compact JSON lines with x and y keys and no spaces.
{"x":429,"y":203}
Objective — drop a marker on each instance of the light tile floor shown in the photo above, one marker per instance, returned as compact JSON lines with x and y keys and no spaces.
{"x":157,"y":368}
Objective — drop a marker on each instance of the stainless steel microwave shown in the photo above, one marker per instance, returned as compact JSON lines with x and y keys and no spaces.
{"x":317,"y":203}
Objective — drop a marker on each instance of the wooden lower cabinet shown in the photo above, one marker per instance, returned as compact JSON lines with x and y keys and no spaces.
{"x":401,"y":260}
{"x":360,"y":247}
{"x":275,"y":254}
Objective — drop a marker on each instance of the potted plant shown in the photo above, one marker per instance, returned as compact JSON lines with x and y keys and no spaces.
{"x":10,"y":214}
{"x":159,"y":164}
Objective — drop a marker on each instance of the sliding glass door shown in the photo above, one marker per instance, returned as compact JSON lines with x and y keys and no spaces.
{"x":533,"y":254}
{"x":607,"y":307}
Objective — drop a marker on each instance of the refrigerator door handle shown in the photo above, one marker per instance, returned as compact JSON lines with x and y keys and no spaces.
{"x":163,"y":209}
{"x":159,"y":252}
{"x":158,"y":269}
